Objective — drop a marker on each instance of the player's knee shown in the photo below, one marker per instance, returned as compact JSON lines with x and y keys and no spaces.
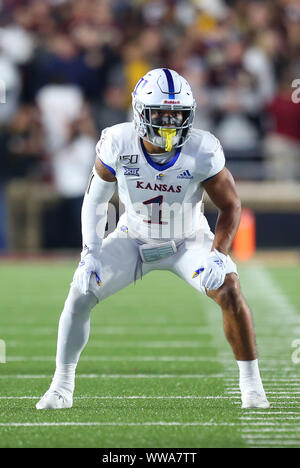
{"x":78,"y":303}
{"x":229,"y":296}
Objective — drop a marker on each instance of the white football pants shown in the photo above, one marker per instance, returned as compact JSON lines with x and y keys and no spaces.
{"x":120,"y":266}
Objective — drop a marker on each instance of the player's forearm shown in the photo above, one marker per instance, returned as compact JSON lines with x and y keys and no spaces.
{"x":94,"y":211}
{"x":226,"y":227}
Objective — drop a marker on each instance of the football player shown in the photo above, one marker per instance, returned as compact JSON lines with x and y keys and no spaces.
{"x":161,"y":166}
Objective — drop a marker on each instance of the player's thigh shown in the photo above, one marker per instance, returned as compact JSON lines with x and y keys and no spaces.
{"x":191,"y":256}
{"x":120,"y":265}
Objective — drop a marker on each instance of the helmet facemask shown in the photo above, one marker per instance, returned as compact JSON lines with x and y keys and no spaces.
{"x":164,"y":126}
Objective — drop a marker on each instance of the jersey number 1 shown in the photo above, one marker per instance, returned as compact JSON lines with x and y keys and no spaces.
{"x":156,"y":212}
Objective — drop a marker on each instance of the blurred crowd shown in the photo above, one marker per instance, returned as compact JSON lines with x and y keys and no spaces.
{"x":67,"y":69}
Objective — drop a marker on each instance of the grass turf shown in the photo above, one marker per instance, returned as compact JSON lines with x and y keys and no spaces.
{"x":157,"y":371}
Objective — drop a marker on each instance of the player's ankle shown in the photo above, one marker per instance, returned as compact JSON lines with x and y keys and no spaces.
{"x":249,"y":378}
{"x":64,"y":380}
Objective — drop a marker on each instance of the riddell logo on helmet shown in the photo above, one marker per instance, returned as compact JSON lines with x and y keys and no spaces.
{"x":171,"y":102}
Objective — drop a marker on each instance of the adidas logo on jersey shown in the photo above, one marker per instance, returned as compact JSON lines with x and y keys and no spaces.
{"x":185,"y":175}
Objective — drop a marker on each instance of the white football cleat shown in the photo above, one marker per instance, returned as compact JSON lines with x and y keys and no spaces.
{"x":255,"y":399}
{"x":54,"y":400}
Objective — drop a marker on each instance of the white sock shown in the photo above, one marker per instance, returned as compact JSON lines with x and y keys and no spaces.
{"x":73,"y":335}
{"x":64,"y":379}
{"x":250,"y":379}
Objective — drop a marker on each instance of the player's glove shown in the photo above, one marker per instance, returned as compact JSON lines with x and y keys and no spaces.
{"x":214,"y":270}
{"x":89,"y":265}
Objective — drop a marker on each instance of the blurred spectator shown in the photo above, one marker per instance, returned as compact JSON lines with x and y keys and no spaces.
{"x":136,"y":65}
{"x":3,"y":181}
{"x":11,"y":84}
{"x":72,"y":164}
{"x":291,"y":10}
{"x":16,"y":43}
{"x":23,"y":151}
{"x":24,"y":144}
{"x":111,"y":110}
{"x":196,"y":74}
{"x":3,"y":220}
{"x":237,"y":100}
{"x":282,"y":143}
{"x":59,"y":104}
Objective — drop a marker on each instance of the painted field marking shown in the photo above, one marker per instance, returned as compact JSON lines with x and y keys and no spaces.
{"x":113,"y":423}
{"x":269,"y":411}
{"x":266,"y":437}
{"x":129,"y":397}
{"x":247,"y":431}
{"x":117,"y":359}
{"x":119,"y":376}
{"x":119,"y":344}
{"x":274,"y":442}
{"x":113,"y":330}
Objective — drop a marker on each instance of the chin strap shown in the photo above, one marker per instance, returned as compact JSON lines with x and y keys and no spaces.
{"x":168,"y":134}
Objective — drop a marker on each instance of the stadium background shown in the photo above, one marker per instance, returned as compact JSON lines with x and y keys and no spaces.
{"x":69,"y":68}
{"x":157,"y":371}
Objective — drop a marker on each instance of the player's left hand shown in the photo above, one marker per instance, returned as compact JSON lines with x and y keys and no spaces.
{"x":89,"y":265}
{"x":214,"y":270}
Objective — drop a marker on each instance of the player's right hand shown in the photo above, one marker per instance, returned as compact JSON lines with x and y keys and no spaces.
{"x":89,"y":265}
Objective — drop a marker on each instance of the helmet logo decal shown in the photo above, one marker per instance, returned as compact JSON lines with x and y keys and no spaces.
{"x":171,"y":102}
{"x":138,"y":84}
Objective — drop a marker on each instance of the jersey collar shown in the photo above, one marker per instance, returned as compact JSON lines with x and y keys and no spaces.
{"x":160,"y":167}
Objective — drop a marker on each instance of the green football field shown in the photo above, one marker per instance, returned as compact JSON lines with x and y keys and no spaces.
{"x":157,"y":371}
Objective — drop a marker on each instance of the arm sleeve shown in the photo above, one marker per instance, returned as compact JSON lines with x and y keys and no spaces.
{"x":94,"y":212}
{"x":106,"y":151}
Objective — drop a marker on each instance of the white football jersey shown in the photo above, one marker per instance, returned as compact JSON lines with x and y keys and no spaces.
{"x":162,"y":201}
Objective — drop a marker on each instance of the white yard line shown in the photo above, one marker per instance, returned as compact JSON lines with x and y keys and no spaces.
{"x":117,"y":424}
{"x":151,"y":423}
{"x":200,"y":397}
{"x":111,"y":330}
{"x":292,"y":378}
{"x":271,"y":412}
{"x":116,"y":344}
{"x":266,"y":442}
{"x":266,"y":437}
{"x":271,"y":418}
{"x":270,"y":431}
{"x":231,"y":392}
{"x":118,"y":376}
{"x":129,"y":397}
{"x":120,"y":424}
{"x":117,"y":359}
